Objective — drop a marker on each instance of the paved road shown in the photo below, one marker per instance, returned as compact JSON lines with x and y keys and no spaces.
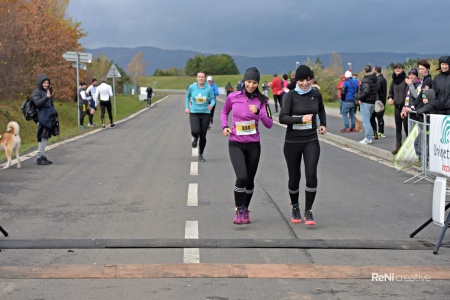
{"x":126,"y":203}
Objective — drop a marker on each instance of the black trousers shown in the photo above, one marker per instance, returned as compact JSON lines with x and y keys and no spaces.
{"x":107,"y":105}
{"x":245,"y":159}
{"x":399,"y":122}
{"x":278,"y":99}
{"x":377,"y":117}
{"x":84,"y":110}
{"x":199,"y":128}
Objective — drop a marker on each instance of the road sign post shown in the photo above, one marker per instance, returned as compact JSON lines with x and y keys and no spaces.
{"x":80,"y":59}
{"x":113,"y":73}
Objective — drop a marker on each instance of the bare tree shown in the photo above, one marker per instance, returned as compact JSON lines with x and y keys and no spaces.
{"x":136,"y":67}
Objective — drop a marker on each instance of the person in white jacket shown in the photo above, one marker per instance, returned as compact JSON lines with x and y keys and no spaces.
{"x":104,"y":91}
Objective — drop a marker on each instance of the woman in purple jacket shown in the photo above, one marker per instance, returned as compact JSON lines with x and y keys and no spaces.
{"x":249,"y":106}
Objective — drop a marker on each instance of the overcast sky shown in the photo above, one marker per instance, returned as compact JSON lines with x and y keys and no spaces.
{"x":267,"y":27}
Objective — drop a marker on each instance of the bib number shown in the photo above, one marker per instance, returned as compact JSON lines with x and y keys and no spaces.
{"x":200,"y":100}
{"x":302,"y":126}
{"x":246,"y":128}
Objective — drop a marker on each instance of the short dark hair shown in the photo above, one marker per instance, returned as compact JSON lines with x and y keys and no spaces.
{"x":82,"y":83}
{"x":424,"y":62}
{"x":285,"y":76}
{"x":367,"y":68}
{"x":377,"y":69}
{"x":93,"y":79}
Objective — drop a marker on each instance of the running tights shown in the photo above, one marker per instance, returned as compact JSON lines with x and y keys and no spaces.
{"x":245,"y":159}
{"x":199,"y":128}
{"x":293,"y":152}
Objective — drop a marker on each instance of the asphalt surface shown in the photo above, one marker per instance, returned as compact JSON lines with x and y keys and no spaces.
{"x":121,"y":197}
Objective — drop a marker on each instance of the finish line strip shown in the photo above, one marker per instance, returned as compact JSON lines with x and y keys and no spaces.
{"x":213,"y":243}
{"x":274,"y":271}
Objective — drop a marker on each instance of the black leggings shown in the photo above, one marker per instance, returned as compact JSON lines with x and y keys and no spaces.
{"x":245,"y":159}
{"x":199,"y":128}
{"x":399,"y":122}
{"x":293,"y":153}
{"x":107,"y":105}
{"x":279,"y":99}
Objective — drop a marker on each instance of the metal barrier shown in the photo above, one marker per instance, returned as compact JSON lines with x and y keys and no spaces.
{"x":424,"y":129}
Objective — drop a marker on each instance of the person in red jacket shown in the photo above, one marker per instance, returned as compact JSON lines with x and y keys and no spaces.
{"x":277,"y":91}
{"x":339,"y":92}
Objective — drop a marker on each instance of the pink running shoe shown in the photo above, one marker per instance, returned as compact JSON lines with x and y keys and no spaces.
{"x":238,"y":217}
{"x":246,"y":219}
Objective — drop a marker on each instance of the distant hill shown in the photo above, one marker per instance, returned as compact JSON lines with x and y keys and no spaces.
{"x":157,"y":58}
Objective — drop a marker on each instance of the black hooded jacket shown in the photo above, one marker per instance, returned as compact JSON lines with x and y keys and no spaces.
{"x":47,"y":115}
{"x":441,"y":86}
{"x":39,"y":95}
{"x":368,"y":89}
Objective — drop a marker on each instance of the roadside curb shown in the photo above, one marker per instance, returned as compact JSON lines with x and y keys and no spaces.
{"x":367,"y":149}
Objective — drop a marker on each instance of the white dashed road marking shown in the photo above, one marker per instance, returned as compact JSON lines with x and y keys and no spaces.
{"x":191,"y":255}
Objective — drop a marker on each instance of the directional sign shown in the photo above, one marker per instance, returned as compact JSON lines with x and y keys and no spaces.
{"x":81,"y":66}
{"x":78,"y":56}
{"x":113,"y":72}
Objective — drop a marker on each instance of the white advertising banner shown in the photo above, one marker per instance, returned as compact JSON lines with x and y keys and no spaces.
{"x":439,"y":145}
{"x":406,"y":155}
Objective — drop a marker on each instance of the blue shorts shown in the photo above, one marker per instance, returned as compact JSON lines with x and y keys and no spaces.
{"x":92,"y":104}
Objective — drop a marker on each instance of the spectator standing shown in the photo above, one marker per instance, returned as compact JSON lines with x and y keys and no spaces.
{"x":367,"y":97}
{"x":339,"y":91}
{"x":349,"y":89}
{"x":266,"y":88}
{"x":381,"y":95}
{"x":213,"y":85}
{"x":315,"y":85}
{"x":396,"y":97}
{"x":240,"y":85}
{"x":424,"y":70}
{"x":413,"y":93}
{"x":229,"y":88}
{"x":277,"y":92}
{"x":84,"y":104}
{"x":440,"y":104}
{"x":149,"y":95}
{"x":42,"y":97}
{"x":104,"y":92}
{"x":92,"y":102}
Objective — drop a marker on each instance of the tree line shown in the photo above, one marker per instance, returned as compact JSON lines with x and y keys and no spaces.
{"x":34,"y":35}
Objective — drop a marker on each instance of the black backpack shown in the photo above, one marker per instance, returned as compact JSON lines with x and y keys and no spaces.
{"x":29,"y":110}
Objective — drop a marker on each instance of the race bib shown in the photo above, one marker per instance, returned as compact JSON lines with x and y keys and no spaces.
{"x":302,"y":126}
{"x":200,"y":99}
{"x":246,"y":128}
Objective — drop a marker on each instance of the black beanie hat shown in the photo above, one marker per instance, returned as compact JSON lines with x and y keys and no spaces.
{"x":303,"y":72}
{"x":443,"y":59}
{"x":252,"y":74}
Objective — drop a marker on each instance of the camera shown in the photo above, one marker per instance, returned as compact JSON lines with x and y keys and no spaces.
{"x":50,"y":88}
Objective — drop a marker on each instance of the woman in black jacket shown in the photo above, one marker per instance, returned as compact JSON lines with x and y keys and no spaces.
{"x":47,"y":116}
{"x":397,"y":95}
{"x":299,"y":112}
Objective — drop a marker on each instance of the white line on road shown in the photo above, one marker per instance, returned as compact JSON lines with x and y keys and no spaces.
{"x":194,"y":168}
{"x":191,"y":255}
{"x":195,"y":151}
{"x":192,"y":195}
